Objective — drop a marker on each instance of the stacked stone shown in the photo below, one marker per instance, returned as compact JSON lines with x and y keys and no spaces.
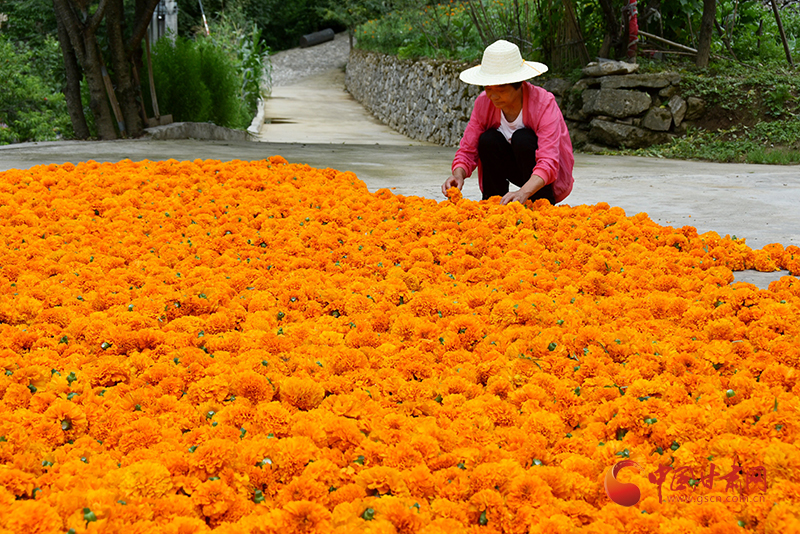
{"x":613,"y":106}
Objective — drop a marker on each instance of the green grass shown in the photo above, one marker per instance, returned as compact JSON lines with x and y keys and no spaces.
{"x":766,"y":142}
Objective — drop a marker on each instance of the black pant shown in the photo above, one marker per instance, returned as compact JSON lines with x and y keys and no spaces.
{"x":505,"y":162}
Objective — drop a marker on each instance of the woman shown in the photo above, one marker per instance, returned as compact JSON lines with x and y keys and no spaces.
{"x":516,"y":132}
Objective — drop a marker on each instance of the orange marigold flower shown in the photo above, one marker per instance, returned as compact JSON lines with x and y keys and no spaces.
{"x":17,"y":482}
{"x":17,"y":396}
{"x":185,"y":525}
{"x":454,"y":194}
{"x":66,"y":420}
{"x":381,"y":480}
{"x":302,"y":393}
{"x":145,"y":479}
{"x":460,"y":359}
{"x":107,"y":372}
{"x":211,"y":457}
{"x":305,"y":517}
{"x":214,"y":497}
{"x":33,"y":517}
{"x":253,"y":386}
{"x":344,"y":359}
{"x":143,"y":433}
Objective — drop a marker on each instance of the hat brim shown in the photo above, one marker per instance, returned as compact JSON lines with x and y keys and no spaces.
{"x":528,"y":70}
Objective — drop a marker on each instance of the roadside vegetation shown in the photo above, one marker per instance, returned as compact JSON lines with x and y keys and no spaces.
{"x":229,"y":70}
{"x":32,"y":106}
{"x":752,"y":116}
{"x":217,"y":79}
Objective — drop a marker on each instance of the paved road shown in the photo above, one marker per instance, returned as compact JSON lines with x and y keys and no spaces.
{"x":309,"y":103}
{"x":324,"y":127}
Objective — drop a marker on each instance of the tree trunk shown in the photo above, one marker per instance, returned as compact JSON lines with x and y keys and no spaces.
{"x":706,"y":29}
{"x":783,"y":35}
{"x":98,"y":99}
{"x":82,"y":36}
{"x":613,"y":38}
{"x":130,"y":92}
{"x":141,"y":20}
{"x":605,"y":48}
{"x":72,"y":89}
{"x":126,"y":89}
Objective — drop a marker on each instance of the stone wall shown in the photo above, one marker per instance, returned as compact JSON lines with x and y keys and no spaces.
{"x":422,"y":99}
{"x":611,"y":105}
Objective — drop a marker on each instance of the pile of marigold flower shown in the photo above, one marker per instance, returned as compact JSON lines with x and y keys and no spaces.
{"x":263,"y":347}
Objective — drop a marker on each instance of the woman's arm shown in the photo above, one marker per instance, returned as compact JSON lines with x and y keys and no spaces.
{"x":466,"y":158}
{"x":467,"y":154}
{"x":549,"y":125}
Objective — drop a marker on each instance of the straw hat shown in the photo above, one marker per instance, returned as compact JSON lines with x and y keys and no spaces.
{"x":502,"y":63}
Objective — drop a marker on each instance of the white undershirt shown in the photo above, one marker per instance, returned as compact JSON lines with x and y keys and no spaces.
{"x":508,"y":128}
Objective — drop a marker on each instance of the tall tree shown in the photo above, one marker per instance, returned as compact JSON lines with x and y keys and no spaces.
{"x":614,"y":40}
{"x":706,"y":29}
{"x":81,"y":20}
{"x":72,"y":89}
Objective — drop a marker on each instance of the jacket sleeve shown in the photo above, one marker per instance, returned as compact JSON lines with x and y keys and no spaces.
{"x":550,"y":127}
{"x":467,"y":154}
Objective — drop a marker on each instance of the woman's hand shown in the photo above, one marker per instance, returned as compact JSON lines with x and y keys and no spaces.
{"x":515,"y":196}
{"x":456,"y":180}
{"x":525,"y":192}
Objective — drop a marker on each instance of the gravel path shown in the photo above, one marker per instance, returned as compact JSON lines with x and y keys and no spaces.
{"x":290,"y":66}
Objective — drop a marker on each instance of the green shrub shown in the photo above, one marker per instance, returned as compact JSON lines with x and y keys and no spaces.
{"x":220,"y":76}
{"x":196,"y":81}
{"x":460,"y":30}
{"x":31,"y":107}
{"x":766,"y":93}
{"x":29,"y":21}
{"x":775,"y":100}
{"x":177,"y":73}
{"x":255,"y":69}
{"x":281,"y":22}
{"x":241,"y":40}
{"x":752,"y":32}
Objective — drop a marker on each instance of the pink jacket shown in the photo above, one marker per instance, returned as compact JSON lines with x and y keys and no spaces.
{"x":554,"y":159}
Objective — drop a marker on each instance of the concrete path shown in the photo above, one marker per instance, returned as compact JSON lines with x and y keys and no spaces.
{"x":322,"y":126}
{"x":309,"y":103}
{"x":317,"y":109}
